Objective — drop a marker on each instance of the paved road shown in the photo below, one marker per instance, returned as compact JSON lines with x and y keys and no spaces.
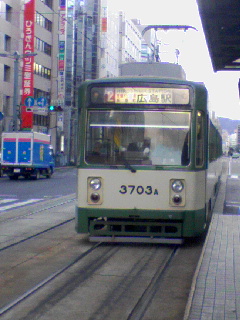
{"x":20,"y":192}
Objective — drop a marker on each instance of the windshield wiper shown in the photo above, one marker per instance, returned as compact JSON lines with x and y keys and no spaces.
{"x":128,"y":166}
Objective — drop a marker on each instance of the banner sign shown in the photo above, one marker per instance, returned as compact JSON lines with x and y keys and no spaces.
{"x":61,"y":45}
{"x":104,"y":24}
{"x":28,"y":63}
{"x":104,"y":15}
{"x":62,"y":4}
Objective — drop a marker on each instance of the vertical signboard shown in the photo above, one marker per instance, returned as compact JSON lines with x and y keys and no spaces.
{"x":104,"y":16}
{"x":28,"y":64}
{"x":61,"y":50}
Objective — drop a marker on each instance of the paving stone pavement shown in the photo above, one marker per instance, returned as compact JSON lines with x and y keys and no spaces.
{"x":217,"y":290}
{"x":215,"y":293}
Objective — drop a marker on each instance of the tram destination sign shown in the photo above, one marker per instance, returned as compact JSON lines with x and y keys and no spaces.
{"x":140,"y":95}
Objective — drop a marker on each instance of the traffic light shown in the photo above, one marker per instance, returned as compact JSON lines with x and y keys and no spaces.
{"x":51,"y":108}
{"x":55,"y":108}
{"x":59,"y":109}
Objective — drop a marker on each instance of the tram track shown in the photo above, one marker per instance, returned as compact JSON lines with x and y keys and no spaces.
{"x":119,"y":293}
{"x":42,"y":272}
{"x":35,"y":235}
{"x":87,"y":271}
{"x":30,"y":209}
{"x":96,"y":286}
{"x":50,"y":278}
{"x":49,"y":208}
{"x":146,"y":298}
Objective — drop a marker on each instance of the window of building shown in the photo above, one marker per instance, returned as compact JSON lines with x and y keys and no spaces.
{"x":39,"y":19}
{"x":6,"y":73}
{"x":6,"y":105}
{"x":47,"y":49}
{"x":42,"y":71}
{"x":48,"y":3}
{"x":48,"y":25}
{"x":43,"y":22}
{"x":40,"y":120}
{"x":8,"y":13}
{"x":7,"y":43}
{"x":43,"y":46}
{"x":38,"y":44}
{"x":36,"y":68}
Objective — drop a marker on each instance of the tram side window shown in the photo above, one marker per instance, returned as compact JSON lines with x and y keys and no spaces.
{"x":200,"y":140}
{"x":215,"y":143}
{"x":212,"y":143}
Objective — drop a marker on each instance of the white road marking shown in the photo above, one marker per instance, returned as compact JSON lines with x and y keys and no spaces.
{"x":19,"y":204}
{"x":7,"y":200}
{"x":234,"y":176}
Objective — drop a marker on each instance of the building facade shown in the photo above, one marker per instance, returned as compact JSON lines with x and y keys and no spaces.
{"x":10,"y":33}
{"x":73,"y":41}
{"x":44,"y":65}
{"x":130,"y":40}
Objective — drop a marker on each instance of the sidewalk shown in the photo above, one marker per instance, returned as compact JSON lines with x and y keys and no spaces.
{"x":215,"y":293}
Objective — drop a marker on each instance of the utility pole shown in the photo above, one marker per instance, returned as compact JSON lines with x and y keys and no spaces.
{"x":166,"y":28}
{"x":16,"y":57}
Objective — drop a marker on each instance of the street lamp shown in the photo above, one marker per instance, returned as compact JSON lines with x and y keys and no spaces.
{"x":16,"y":56}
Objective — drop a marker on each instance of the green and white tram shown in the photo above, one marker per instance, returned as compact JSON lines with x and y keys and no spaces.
{"x":148,"y":160}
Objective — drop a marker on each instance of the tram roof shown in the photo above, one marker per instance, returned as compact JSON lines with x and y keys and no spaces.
{"x":221,"y":25}
{"x":127,"y":80}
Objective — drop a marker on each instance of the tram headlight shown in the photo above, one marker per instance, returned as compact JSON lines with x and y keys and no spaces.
{"x":177,"y":186}
{"x":95,"y":188}
{"x":177,"y":194}
{"x":95,"y":197}
{"x":95,"y":184}
{"x":177,"y":199}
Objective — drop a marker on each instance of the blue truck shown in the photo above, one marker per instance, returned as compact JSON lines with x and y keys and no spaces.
{"x":27,"y":154}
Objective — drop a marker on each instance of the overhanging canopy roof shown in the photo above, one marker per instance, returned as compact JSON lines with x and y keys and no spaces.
{"x":221,"y":25}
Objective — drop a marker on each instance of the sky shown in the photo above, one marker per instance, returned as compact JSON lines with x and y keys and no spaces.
{"x":194,"y":57}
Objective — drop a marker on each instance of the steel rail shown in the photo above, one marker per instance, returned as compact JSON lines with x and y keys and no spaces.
{"x":147,"y":296}
{"x":31,"y":291}
{"x":36,"y":235}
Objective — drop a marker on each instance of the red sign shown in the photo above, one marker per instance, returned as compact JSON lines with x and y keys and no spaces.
{"x":104,"y":24}
{"x":61,"y":65}
{"x":62,"y":26}
{"x":28,"y":63}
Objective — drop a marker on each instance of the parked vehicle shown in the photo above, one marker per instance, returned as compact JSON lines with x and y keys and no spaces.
{"x":235,"y":156}
{"x":27,"y":154}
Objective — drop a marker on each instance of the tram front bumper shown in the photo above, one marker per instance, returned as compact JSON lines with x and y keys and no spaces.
{"x":140,"y":223}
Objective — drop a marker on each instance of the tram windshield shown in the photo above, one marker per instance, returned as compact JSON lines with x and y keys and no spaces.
{"x":138,"y":138}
